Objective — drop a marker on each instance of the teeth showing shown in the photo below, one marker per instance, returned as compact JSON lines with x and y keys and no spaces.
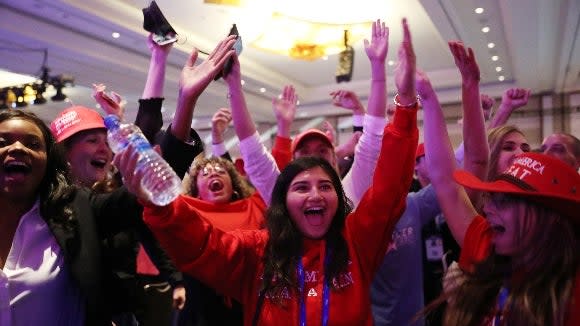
{"x":16,"y":166}
{"x":99,"y":163}
{"x":314,"y":211}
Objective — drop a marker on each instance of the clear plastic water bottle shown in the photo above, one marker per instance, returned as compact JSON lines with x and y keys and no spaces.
{"x":160,"y":183}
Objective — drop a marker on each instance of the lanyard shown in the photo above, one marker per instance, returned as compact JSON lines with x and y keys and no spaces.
{"x":325,"y":292}
{"x":501,"y":300}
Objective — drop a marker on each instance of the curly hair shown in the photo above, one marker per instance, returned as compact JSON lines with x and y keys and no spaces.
{"x":55,"y":190}
{"x":541,"y":275}
{"x":241,"y":188}
{"x":284,"y":246}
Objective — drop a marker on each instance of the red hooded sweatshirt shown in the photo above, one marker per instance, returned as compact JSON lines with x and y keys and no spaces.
{"x":231,"y":262}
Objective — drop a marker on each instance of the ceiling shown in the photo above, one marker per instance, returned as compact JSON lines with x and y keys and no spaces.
{"x":536,"y":41}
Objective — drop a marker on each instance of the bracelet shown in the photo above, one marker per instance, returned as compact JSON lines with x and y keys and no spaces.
{"x":406,"y":106}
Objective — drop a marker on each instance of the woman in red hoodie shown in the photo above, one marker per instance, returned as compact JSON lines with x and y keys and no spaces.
{"x":316,"y":259}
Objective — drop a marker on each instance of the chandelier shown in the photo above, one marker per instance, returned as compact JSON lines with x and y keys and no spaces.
{"x":307,"y":40}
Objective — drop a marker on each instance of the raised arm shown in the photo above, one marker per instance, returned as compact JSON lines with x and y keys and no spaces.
{"x":111,"y":103}
{"x":350,"y":101}
{"x":511,"y":100}
{"x":358,"y":179}
{"x":285,"y":110}
{"x":371,"y":224}
{"x":453,"y":200}
{"x":476,"y":149}
{"x":194,"y":80}
{"x":259,"y":163}
{"x":219,"y":124}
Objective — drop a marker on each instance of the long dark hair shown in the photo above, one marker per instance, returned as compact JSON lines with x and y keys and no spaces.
{"x":284,"y":246}
{"x":55,"y":190}
{"x":541,"y":278}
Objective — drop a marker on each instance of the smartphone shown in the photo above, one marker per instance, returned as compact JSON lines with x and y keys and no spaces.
{"x":164,"y":39}
{"x":237,"y":47}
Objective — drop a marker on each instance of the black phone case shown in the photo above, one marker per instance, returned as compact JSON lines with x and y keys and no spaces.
{"x":228,"y":66}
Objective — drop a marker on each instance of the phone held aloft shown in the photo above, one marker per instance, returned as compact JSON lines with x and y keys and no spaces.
{"x":237,"y":47}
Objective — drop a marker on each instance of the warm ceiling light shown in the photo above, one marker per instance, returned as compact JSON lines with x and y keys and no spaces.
{"x":116,"y":35}
{"x":485,"y":29}
{"x":479,"y":10}
{"x":498,"y":69}
{"x":494,"y":58}
{"x":501,"y":78}
{"x":491,"y":45}
{"x":307,"y":40}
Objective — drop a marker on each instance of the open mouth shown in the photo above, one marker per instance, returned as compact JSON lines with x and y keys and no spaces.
{"x":99,"y":163}
{"x":216,"y":185}
{"x":498,"y":229}
{"x":314,"y":215}
{"x":16,"y":167}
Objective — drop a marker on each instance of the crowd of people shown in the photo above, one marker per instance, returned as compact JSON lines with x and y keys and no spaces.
{"x":378,"y":230}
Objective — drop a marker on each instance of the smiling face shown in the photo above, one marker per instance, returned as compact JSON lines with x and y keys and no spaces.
{"x":214,"y":184}
{"x":513,"y":144}
{"x":89,"y":156}
{"x":312,"y":202}
{"x":23,"y":158}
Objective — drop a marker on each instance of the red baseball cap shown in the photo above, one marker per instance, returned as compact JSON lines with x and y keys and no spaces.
{"x":310,"y":133}
{"x":420,"y":151}
{"x":538,"y":177}
{"x":75,"y":119}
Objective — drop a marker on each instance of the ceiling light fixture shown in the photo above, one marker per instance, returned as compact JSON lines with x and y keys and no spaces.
{"x":494,"y":58}
{"x":491,"y":45}
{"x":307,"y":40}
{"x":262,"y":90}
{"x":479,"y":10}
{"x":501,"y":78}
{"x":485,"y":29}
{"x":116,"y":35}
{"x":498,"y":69}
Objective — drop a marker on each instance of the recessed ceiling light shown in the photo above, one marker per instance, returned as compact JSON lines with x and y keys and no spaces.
{"x":116,"y":35}
{"x":491,"y":45}
{"x":501,"y":78}
{"x":325,"y":58}
{"x":479,"y":10}
{"x":243,"y":82}
{"x":494,"y":58}
{"x":498,"y":69}
{"x":485,"y":29}
{"x":391,"y":62}
{"x":262,"y":90}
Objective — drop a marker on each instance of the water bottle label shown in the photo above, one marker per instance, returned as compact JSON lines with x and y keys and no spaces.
{"x":140,"y":143}
{"x":112,"y":121}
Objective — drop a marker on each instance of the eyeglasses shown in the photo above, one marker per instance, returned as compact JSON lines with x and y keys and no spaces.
{"x":210,"y":169}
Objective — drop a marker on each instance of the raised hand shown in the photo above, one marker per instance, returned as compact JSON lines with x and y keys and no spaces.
{"x":111,"y":104}
{"x":348,"y":100}
{"x":515,"y":98}
{"x":219,"y":124}
{"x":406,"y":65}
{"x":423,"y":85}
{"x":378,"y":47}
{"x":285,"y":109}
{"x":486,"y":105}
{"x":465,"y":61}
{"x":329,"y":131}
{"x":195,"y":79}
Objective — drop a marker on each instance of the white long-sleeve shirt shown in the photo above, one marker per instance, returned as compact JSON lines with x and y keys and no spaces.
{"x":263,"y":171}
